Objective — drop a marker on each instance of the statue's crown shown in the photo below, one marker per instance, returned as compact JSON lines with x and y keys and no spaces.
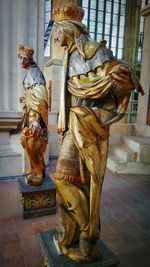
{"x":26,"y":49}
{"x":70,"y":12}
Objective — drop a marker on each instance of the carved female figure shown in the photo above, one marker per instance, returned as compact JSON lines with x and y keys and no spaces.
{"x":95,"y":91}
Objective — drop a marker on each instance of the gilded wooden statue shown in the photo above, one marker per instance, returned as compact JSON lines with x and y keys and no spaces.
{"x":95,"y":92}
{"x":35,"y":116}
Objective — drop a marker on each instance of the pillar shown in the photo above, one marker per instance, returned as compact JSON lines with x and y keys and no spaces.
{"x":131,"y":33}
{"x":142,"y":126}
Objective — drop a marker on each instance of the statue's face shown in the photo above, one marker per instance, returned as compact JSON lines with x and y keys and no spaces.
{"x":24,"y":61}
{"x":60,"y":37}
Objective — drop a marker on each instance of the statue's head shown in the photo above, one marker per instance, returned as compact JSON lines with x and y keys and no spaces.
{"x":71,"y":32}
{"x":25,"y":54}
{"x":68,"y":26}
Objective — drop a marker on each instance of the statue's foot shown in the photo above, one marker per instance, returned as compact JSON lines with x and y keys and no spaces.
{"x":86,"y":252}
{"x":85,"y":246}
{"x":35,"y":179}
{"x":94,"y":254}
{"x":75,"y":254}
{"x":89,"y":249}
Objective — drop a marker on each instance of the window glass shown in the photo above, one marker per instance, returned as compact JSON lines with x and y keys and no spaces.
{"x":108,"y":6}
{"x":116,"y":8}
{"x":122,"y":21}
{"x":115,"y":19}
{"x":92,"y":26}
{"x":120,"y":43}
{"x":113,"y":41}
{"x":92,"y":14}
{"x":47,"y":6}
{"x":107,"y":29}
{"x":120,"y":53}
{"x":47,"y":17}
{"x":92,"y":35}
{"x":84,"y":22}
{"x":123,"y":2}
{"x":101,"y":4}
{"x":100,"y":16}
{"x":114,"y":30}
{"x":107,"y":21}
{"x":123,"y":10}
{"x":108,"y":17}
{"x":46,"y":22}
{"x":85,"y":13}
{"x":114,"y":51}
{"x":85,"y":3}
{"x":121,"y":31}
{"x":93,"y":4}
{"x":99,"y":37}
{"x":99,"y":28}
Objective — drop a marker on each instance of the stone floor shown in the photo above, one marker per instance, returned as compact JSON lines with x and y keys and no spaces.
{"x":125,"y":219}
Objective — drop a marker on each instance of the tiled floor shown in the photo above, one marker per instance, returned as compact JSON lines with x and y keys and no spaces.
{"x":125,"y":219}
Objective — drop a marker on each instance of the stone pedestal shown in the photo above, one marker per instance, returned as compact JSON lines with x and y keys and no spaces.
{"x":52,"y":259}
{"x":37,"y":200}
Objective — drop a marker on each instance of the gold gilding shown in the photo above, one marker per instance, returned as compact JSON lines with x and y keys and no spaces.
{"x":85,"y":132}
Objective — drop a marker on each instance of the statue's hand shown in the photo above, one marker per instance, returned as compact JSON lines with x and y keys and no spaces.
{"x":21,"y":99}
{"x":35,"y":127}
{"x":122,"y":80}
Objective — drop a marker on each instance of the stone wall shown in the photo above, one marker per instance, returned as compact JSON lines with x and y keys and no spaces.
{"x":21,"y":22}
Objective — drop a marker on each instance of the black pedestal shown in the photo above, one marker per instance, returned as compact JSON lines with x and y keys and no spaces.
{"x":52,"y":259}
{"x":37,"y":200}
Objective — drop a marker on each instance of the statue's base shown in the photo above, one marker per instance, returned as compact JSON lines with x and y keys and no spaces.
{"x":37,"y":200}
{"x":51,"y":257}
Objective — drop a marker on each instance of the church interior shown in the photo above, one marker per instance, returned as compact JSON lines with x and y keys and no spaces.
{"x":125,"y":215}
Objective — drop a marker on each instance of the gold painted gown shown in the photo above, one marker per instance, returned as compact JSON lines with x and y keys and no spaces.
{"x":91,"y":104}
{"x":35,"y":109}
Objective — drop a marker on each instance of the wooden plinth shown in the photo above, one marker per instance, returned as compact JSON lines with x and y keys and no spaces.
{"x":37,"y":200}
{"x":52,"y":259}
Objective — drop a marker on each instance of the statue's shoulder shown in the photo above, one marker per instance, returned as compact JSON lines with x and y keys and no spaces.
{"x":34,"y":76}
{"x":78,"y":65}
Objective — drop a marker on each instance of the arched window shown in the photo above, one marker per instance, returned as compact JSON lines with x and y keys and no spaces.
{"x":105,"y":19}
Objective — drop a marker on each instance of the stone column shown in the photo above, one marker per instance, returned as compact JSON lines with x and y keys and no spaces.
{"x":142,"y":126}
{"x":132,"y":28}
{"x":21,"y":22}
